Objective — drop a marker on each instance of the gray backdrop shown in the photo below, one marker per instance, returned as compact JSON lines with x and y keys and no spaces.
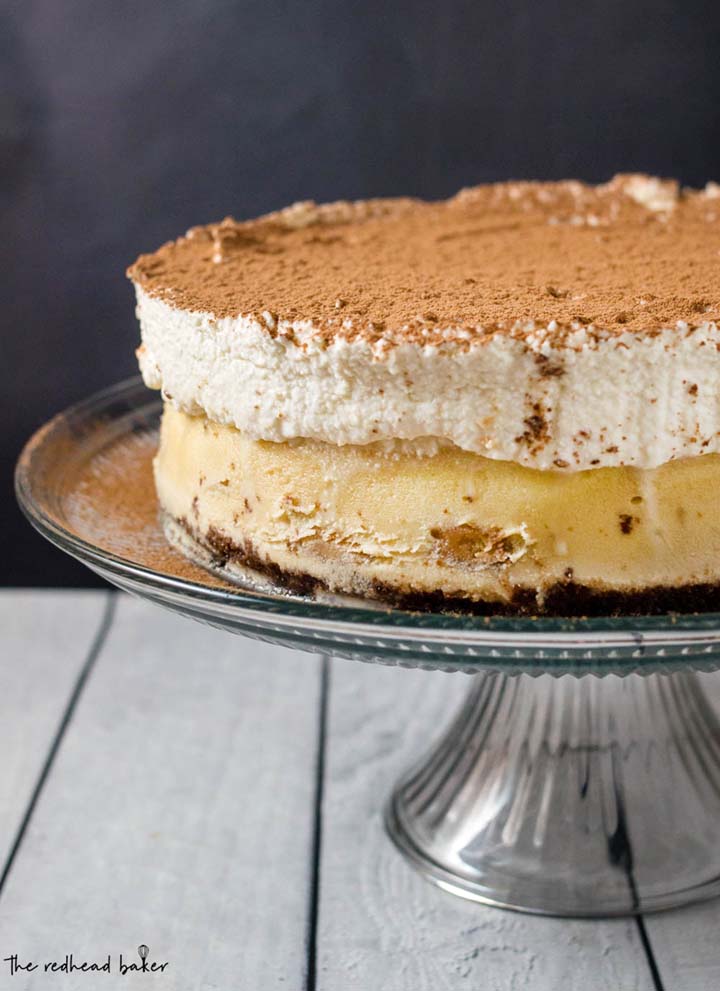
{"x":123,"y":123}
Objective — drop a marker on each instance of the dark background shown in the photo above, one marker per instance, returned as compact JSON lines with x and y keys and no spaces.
{"x":124,"y":123}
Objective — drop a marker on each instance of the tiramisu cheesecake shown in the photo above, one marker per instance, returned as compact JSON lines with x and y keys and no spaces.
{"x":506,"y":401}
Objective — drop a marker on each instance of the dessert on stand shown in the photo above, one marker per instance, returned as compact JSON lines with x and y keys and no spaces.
{"x":482,"y":436}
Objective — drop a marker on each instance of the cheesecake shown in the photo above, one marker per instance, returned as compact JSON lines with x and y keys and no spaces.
{"x":504,"y":402}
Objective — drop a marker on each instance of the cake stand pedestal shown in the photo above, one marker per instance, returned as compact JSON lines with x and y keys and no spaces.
{"x":570,"y":796}
{"x":552,"y":791}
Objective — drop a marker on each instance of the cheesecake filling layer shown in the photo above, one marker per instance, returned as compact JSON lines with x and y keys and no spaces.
{"x":436,"y":519}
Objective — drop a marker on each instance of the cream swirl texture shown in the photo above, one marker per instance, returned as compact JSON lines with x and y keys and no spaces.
{"x":588,"y":401}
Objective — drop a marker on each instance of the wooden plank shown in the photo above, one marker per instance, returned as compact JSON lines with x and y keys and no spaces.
{"x":381,"y":926}
{"x":685,"y":946}
{"x":45,"y":638}
{"x":179,"y":814}
{"x":685,"y":942}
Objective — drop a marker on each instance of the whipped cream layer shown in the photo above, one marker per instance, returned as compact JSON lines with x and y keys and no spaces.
{"x":568,"y":402}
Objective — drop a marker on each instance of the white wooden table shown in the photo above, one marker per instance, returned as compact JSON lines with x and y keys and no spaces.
{"x":218,"y":800}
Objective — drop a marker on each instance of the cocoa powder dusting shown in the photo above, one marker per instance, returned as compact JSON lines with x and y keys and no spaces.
{"x":109,"y":501}
{"x":604,"y":257}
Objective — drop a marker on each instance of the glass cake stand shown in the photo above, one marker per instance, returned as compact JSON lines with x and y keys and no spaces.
{"x":580,"y":777}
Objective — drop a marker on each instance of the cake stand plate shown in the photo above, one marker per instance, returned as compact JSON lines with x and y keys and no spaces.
{"x":553,"y":790}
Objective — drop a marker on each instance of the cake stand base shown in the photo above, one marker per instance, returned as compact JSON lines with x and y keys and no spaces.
{"x":570,"y":796}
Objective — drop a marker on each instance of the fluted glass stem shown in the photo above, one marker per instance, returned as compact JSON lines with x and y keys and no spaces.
{"x":570,"y":796}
